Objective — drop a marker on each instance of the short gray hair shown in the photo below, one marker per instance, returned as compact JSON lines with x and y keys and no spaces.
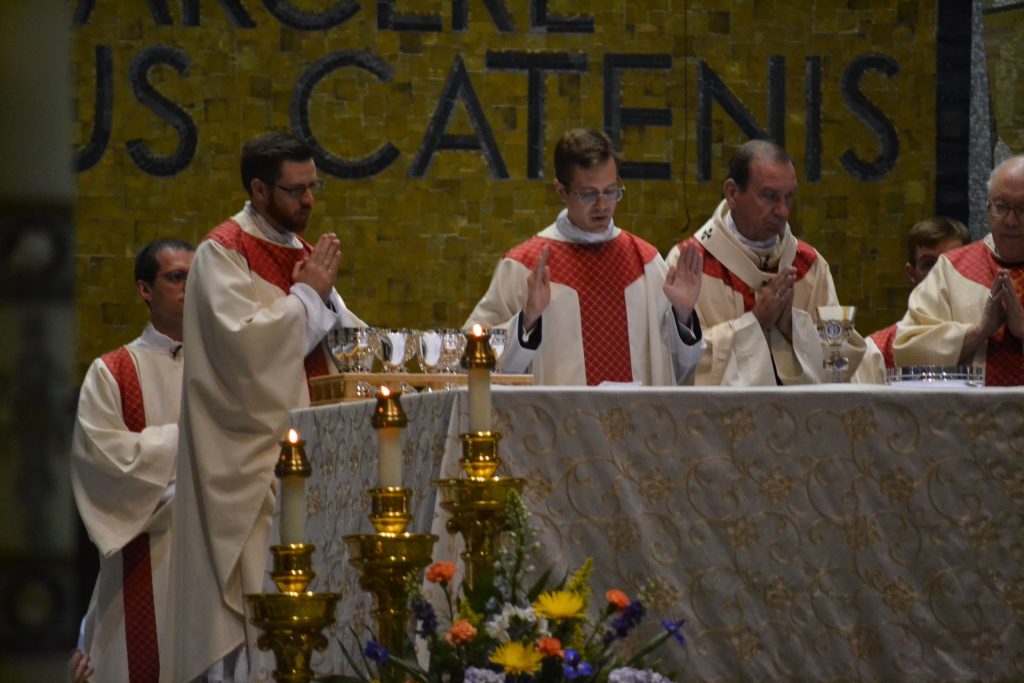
{"x":1012,"y":161}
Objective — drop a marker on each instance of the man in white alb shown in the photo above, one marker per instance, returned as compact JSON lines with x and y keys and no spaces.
{"x":762,"y":286}
{"x":123,"y":476}
{"x":260,"y":302}
{"x":969,"y":310}
{"x":586,"y":302}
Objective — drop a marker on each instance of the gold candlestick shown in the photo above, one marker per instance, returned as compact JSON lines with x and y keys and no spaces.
{"x":387,"y":557}
{"x":292,"y":621}
{"x":477,"y":500}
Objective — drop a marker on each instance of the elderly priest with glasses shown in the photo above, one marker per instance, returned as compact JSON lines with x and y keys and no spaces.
{"x":968,"y":310}
{"x":586,"y":302}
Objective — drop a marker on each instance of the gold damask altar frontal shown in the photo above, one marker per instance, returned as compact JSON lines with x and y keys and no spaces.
{"x":807,"y":534}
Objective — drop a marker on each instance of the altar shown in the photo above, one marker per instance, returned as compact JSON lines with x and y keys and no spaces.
{"x":820,"y":533}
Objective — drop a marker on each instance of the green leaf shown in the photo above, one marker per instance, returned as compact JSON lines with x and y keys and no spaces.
{"x":539,"y":586}
{"x":361,"y":675}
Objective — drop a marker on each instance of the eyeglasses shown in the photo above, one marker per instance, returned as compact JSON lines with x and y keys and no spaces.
{"x":610,"y":196}
{"x":1000,"y":210}
{"x":297,"y":193}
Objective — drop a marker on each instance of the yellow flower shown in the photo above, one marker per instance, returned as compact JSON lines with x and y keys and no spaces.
{"x":517,"y":658}
{"x":559,"y":605}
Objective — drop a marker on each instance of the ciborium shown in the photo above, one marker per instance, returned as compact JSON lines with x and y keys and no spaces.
{"x":835,"y":326}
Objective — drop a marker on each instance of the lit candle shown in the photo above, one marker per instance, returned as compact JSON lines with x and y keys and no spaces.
{"x":388,"y":420}
{"x":293,"y":468}
{"x":479,"y":380}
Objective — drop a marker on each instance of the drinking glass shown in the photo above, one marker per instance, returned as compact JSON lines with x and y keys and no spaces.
{"x":835,"y":325}
{"x":342,"y":341}
{"x":453,"y":343}
{"x":361,"y":358}
{"x":428,"y":350}
{"x":498,"y":339}
{"x":394,"y":348}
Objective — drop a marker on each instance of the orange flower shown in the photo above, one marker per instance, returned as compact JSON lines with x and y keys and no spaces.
{"x":617,"y":598}
{"x":461,"y":632}
{"x":550,"y":647}
{"x":441,"y":572}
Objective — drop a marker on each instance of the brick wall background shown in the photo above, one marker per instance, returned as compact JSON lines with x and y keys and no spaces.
{"x":420,"y":245}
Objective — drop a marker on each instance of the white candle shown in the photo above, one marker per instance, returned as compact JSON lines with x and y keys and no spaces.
{"x":479,"y":380}
{"x":389,"y":451}
{"x":293,"y":501}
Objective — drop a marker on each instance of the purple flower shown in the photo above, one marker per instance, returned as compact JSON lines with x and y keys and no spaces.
{"x":426,"y":617}
{"x":575,"y":667}
{"x":376,"y":652}
{"x":627,"y":620}
{"x":673,"y":629}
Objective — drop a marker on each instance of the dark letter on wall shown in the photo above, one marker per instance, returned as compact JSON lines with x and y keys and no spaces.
{"x":234,"y":9}
{"x":499,"y":13}
{"x":299,"y":114}
{"x":458,"y":86}
{"x":871,"y":116}
{"x":83,"y":10}
{"x":542,"y":22}
{"x":616,"y":116}
{"x":161,"y":15}
{"x":389,"y":20}
{"x":311,"y":21}
{"x":536,"y":64}
{"x":157,"y":9}
{"x":812,"y":124}
{"x":165,"y":109}
{"x":710,"y":87}
{"x":90,"y":155}
{"x":777,"y":99}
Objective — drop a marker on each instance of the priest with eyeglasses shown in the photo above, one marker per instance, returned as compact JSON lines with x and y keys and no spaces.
{"x":968,"y":310}
{"x":585,"y":302}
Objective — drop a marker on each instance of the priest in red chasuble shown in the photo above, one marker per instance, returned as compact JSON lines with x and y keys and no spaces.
{"x":123,"y":476}
{"x":260,"y":301}
{"x":762,"y":286}
{"x":586,"y":302}
{"x":968,"y":310}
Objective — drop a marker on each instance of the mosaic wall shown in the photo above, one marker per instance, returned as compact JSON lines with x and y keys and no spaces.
{"x":435,"y":123}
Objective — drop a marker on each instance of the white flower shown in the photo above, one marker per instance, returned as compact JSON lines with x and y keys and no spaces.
{"x":475,"y":675}
{"x":630,"y":675}
{"x":518,"y":620}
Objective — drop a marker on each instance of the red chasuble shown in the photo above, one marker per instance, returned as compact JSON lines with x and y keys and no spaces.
{"x":600,"y":274}
{"x":274,"y":263}
{"x":136,"y":566}
{"x":883,"y":340}
{"x":1004,"y":359}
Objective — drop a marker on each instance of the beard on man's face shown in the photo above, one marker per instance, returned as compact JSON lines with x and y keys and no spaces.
{"x":292,"y":218}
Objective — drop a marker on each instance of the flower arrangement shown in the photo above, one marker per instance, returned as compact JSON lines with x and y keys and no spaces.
{"x":506,"y":632}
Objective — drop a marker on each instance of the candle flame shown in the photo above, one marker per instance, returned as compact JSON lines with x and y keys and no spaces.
{"x":478,"y":330}
{"x":293,"y":436}
{"x":385,"y":392}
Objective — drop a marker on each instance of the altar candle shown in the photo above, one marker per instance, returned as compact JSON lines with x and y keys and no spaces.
{"x":389,"y":443}
{"x":479,"y":380}
{"x":293,"y":468}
